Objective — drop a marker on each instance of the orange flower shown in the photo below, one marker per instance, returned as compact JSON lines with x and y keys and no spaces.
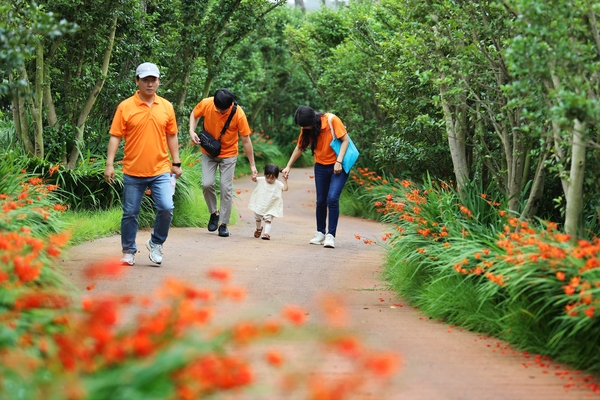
{"x":25,"y":270}
{"x":569,"y":309}
{"x":590,"y":312}
{"x":569,"y":290}
{"x":294,"y":314}
{"x":348,"y":346}
{"x":41,"y":300}
{"x":271,"y":326}
{"x":105,"y":268}
{"x":560,"y":276}
{"x":243,"y":332}
{"x":274,"y":358}
{"x":383,"y":365}
{"x":334,"y":310}
{"x":52,"y":170}
{"x":60,"y":239}
{"x":60,"y":207}
{"x":233,"y":292}
{"x":219,"y":274}
{"x":465,"y":211}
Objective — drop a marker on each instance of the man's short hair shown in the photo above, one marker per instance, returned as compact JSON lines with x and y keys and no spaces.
{"x":223,"y":99}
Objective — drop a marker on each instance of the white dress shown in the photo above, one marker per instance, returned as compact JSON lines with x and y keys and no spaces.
{"x":266,"y":199}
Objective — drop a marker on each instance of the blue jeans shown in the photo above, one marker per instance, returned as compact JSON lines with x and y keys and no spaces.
{"x":133,"y":190}
{"x":329,"y":188}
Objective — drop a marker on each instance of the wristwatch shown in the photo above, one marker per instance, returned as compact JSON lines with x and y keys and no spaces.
{"x":176,"y":164}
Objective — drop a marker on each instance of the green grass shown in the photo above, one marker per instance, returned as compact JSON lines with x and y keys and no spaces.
{"x":89,"y":225}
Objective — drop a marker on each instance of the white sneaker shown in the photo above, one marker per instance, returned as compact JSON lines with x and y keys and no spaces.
{"x":318,"y":239}
{"x":329,"y":241}
{"x":128,"y":258}
{"x":155,"y":251}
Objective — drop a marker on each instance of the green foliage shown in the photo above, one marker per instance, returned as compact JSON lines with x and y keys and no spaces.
{"x":190,"y":207}
{"x":19,"y":190}
{"x":21,"y":27}
{"x":54,"y":346}
{"x":82,"y":188}
{"x":473,"y":266}
{"x":87,"y":225}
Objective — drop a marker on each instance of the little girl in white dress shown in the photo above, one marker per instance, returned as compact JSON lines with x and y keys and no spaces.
{"x":266,"y":200}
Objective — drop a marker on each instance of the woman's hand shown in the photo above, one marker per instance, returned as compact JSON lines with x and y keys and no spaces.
{"x":337,"y":168}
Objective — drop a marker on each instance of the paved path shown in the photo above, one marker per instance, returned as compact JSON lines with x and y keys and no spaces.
{"x":439,"y":362}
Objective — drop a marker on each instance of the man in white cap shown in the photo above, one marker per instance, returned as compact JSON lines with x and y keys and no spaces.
{"x":147,"y":123}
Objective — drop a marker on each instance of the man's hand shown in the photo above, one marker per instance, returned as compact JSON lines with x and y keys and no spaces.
{"x":177,"y":171}
{"x":194,"y":137}
{"x":109,"y":174}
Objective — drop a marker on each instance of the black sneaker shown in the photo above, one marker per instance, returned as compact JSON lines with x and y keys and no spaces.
{"x":213,"y":222}
{"x":223,"y":231}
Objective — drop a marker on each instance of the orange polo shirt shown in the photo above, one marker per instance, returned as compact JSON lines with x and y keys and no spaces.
{"x":214,"y":122}
{"x":145,"y":132}
{"x":324,"y":154}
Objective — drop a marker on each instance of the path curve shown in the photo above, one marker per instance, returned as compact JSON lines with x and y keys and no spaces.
{"x":439,"y":362}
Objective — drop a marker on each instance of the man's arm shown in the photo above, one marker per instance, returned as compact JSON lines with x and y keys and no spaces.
{"x":193,"y":125}
{"x":173,"y":144}
{"x":249,"y":150}
{"x":113,"y":146}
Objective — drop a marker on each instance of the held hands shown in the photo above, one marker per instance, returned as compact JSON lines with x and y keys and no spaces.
{"x":285,"y":173}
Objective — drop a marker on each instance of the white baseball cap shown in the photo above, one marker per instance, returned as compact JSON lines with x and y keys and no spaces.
{"x":147,"y":69}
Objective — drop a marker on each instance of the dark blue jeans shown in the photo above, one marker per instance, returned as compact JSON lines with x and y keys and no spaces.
{"x":133,"y":191}
{"x":329,"y":188}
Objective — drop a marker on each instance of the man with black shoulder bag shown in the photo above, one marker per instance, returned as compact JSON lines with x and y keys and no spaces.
{"x":224,"y":123}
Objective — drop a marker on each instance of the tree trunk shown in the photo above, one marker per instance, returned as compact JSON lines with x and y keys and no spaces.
{"x":182,"y":95}
{"x":456,"y":141}
{"x":36,"y":105}
{"x":91,"y":100}
{"x":575,"y":195}
{"x":300,"y":4}
{"x":537,"y":187}
{"x":20,"y":118}
{"x":516,"y":161}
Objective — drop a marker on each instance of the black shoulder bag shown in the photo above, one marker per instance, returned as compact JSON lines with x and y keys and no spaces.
{"x":209,"y":143}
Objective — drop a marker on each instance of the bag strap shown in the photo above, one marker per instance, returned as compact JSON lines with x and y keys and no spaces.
{"x":329,"y":118}
{"x":227,"y":122}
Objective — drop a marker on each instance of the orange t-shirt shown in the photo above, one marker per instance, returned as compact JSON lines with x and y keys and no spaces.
{"x":214,"y":122}
{"x":144,"y":130}
{"x":324,"y":154}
